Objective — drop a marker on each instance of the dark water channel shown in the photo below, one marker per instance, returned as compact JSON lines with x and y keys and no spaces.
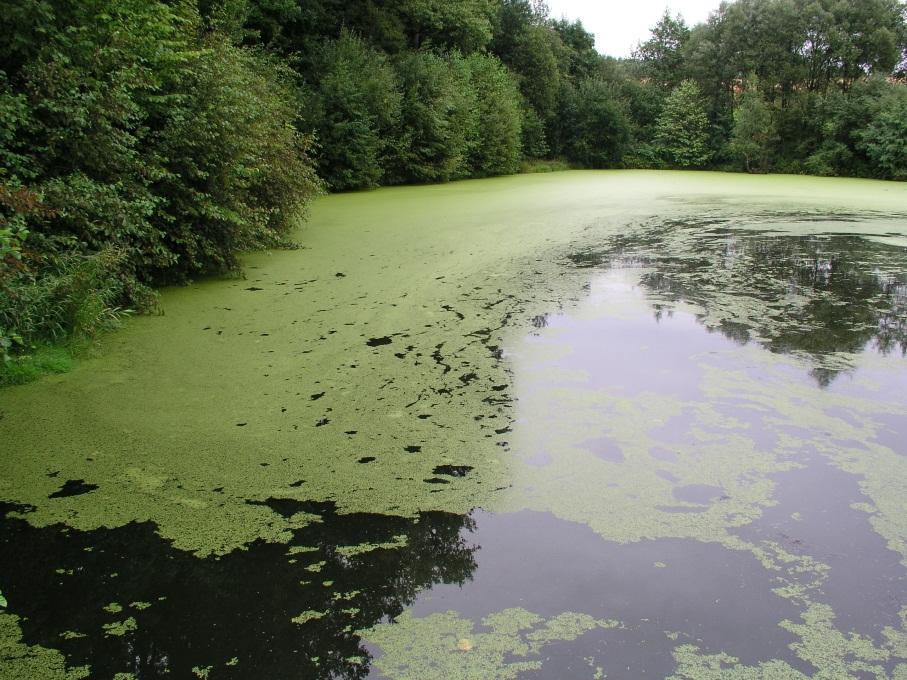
{"x":824,"y":314}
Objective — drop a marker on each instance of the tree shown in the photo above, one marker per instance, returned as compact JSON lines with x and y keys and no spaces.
{"x":754,"y":130}
{"x":662,"y":54}
{"x":885,"y":138}
{"x":496,"y":148}
{"x":598,"y":124}
{"x":355,"y":112}
{"x":847,"y":40}
{"x":536,"y":66}
{"x":465,"y":25}
{"x":577,"y":54}
{"x":682,"y":129}
{"x":438,"y":122}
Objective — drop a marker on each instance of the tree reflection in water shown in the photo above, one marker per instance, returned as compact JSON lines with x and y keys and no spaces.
{"x":232,"y":613}
{"x":818,"y":295}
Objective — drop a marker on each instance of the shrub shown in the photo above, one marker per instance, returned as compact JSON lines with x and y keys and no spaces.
{"x":496,"y":147}
{"x":682,"y":129}
{"x":438,"y":121}
{"x":136,"y":149}
{"x":355,"y":110}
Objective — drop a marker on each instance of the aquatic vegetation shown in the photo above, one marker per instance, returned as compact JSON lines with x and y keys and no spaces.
{"x":445,"y":645}
{"x":536,"y":345}
{"x":829,"y":651}
{"x":120,"y":628}
{"x":21,"y":661}
{"x":692,"y":664}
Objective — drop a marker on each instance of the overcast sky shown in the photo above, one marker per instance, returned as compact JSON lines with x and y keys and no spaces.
{"x":619,"y":26}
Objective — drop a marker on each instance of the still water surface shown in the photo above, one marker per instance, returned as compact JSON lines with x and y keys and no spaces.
{"x":662,"y":435}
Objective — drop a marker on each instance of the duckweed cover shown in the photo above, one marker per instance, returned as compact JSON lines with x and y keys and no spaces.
{"x":578,"y":425}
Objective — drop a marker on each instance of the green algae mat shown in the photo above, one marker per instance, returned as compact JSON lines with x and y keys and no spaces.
{"x":577,"y":425}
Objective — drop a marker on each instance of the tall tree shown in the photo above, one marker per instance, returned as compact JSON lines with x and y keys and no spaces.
{"x":355,"y":111}
{"x":438,"y":121}
{"x":755,"y":130}
{"x":682,"y":130}
{"x":662,"y":54}
{"x":496,"y":147}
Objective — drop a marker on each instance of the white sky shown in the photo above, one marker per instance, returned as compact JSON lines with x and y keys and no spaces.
{"x":619,"y":25}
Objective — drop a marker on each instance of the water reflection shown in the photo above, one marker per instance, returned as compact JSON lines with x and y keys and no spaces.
{"x":670,"y":478}
{"x":817,"y":295}
{"x":664,"y":592}
{"x":123,"y":600}
{"x":704,"y":450}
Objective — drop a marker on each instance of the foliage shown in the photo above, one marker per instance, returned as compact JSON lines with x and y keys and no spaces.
{"x":599,"y":126}
{"x":175,"y":149}
{"x":496,"y":148}
{"x":355,"y":112}
{"x":28,"y":367}
{"x":838,"y":120}
{"x":137,"y":149}
{"x":662,"y":54}
{"x":885,"y":138}
{"x":533,"y":58}
{"x":754,"y":130}
{"x":237,"y":173}
{"x":66,"y":298}
{"x":533,"y":141}
{"x":438,"y":121}
{"x":464,"y":25}
{"x":682,"y":129}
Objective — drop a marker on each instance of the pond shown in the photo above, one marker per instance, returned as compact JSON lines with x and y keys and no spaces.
{"x":579,"y":425}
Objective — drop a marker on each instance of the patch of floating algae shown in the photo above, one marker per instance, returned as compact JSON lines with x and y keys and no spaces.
{"x":850,"y":444}
{"x":693,"y":664}
{"x":120,"y":628}
{"x":799,"y":577}
{"x":352,"y":550}
{"x":345,"y":371}
{"x":308,"y":615}
{"x":638,"y":496}
{"x":897,"y":639}
{"x":445,"y":645}
{"x":20,"y":661}
{"x":833,"y":654}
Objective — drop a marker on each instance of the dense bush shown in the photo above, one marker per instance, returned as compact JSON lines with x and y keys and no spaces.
{"x":682,"y":128}
{"x":499,"y":117}
{"x":438,"y":121}
{"x":136,"y":149}
{"x":355,"y":111}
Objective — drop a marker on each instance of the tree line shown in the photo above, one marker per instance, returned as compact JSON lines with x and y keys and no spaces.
{"x":145,"y":142}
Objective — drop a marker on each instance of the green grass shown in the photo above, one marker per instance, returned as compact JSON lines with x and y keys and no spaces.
{"x":27,"y":368}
